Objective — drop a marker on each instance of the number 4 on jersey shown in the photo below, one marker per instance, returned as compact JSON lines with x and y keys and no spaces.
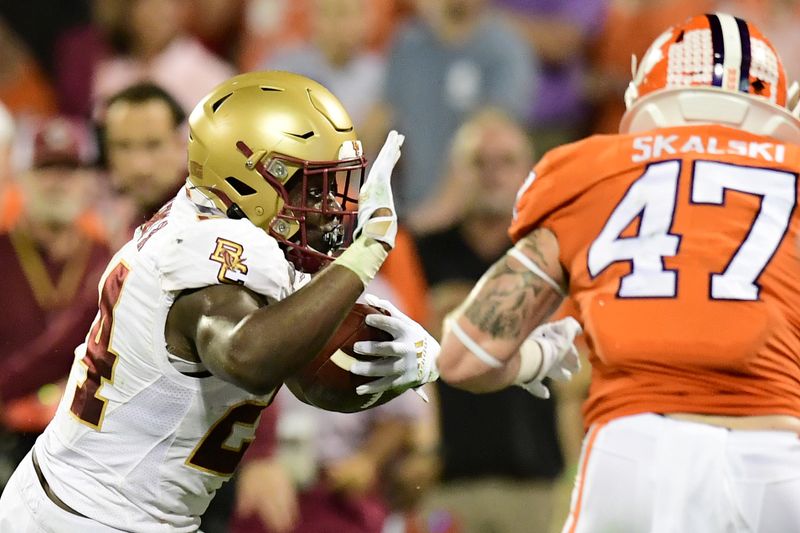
{"x":652,"y":198}
{"x":88,"y":405}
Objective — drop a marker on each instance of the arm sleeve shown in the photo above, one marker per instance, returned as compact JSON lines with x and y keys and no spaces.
{"x":557,"y":180}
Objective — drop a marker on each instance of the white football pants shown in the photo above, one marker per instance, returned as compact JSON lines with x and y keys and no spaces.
{"x":651,"y":474}
{"x":25,"y":508}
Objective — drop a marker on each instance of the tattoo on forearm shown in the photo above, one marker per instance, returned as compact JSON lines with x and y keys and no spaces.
{"x":504,"y":301}
{"x":531,"y":245}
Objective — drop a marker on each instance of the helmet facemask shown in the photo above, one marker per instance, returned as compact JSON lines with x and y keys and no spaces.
{"x":320,"y":205}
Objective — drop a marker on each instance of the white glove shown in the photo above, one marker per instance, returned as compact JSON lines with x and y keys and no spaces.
{"x":407,"y":361}
{"x":559,"y":357}
{"x":377,"y":193}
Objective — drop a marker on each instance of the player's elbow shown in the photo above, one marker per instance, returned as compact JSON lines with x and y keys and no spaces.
{"x":450,"y":367}
{"x":460,"y":369}
{"x":255,"y":385}
{"x":457,"y":371}
{"x":243,"y":376}
{"x":238,"y":364}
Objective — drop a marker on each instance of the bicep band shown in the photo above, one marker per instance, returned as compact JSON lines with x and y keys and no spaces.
{"x":475,"y":348}
{"x":533,"y":267}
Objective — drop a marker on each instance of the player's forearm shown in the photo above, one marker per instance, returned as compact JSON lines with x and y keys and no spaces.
{"x":480,"y":348}
{"x":474,"y":360}
{"x":461,"y":369}
{"x":275,"y":341}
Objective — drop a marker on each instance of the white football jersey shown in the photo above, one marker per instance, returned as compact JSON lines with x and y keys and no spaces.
{"x":141,"y":443}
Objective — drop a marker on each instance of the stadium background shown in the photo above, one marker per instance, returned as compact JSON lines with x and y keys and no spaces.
{"x":387,"y":60}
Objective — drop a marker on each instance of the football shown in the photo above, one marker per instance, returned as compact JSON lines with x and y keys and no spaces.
{"x":326,"y":382}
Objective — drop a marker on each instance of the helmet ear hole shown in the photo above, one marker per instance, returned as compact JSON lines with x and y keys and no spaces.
{"x":239,"y":186}
{"x":235,"y":212}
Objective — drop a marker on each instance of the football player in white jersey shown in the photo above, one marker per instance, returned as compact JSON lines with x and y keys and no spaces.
{"x":209,"y":309}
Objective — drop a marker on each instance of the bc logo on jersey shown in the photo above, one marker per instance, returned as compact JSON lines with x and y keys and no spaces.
{"x":229,"y":256}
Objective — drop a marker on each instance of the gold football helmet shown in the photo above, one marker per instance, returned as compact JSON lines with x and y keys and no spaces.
{"x":259,"y":136}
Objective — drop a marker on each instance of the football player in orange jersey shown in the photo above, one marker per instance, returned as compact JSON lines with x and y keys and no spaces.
{"x":676,"y":239}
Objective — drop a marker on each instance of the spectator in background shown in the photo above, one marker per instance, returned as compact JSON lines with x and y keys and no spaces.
{"x":337,"y":56}
{"x":452,"y":59}
{"x":218,"y":25}
{"x":145,"y":150}
{"x":500,"y":451}
{"x":158,"y":48}
{"x":560,"y":32}
{"x":270,"y":25}
{"x":80,"y":49}
{"x":52,"y":253}
{"x":39,"y":22}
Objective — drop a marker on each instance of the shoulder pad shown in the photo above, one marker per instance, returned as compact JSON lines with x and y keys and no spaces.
{"x":559,"y":177}
{"x":223,"y":250}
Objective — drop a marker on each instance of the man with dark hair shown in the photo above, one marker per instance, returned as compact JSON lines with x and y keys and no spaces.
{"x":145,"y":149}
{"x":146,"y":91}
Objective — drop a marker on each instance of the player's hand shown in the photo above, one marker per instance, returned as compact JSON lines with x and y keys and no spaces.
{"x":559,"y":356}
{"x":278,"y":508}
{"x":407,"y":361}
{"x":377,"y":194}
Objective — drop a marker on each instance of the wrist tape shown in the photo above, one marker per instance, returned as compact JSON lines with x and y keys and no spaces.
{"x":531,"y":361}
{"x":364,"y":257}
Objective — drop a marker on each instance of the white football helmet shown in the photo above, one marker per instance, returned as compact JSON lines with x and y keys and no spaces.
{"x":713,"y":68}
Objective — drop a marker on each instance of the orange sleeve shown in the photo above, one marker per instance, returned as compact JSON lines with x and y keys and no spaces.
{"x":559,"y":178}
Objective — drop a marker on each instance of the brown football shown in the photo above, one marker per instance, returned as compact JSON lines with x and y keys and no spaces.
{"x":326,"y":383}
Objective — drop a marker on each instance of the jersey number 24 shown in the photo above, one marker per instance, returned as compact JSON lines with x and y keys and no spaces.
{"x":652,"y":200}
{"x":213,"y":453}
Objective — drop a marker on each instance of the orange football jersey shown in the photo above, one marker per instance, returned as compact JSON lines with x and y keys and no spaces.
{"x":681,"y":246}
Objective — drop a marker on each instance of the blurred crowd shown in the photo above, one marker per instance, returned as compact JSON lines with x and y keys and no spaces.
{"x":94,"y":96}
